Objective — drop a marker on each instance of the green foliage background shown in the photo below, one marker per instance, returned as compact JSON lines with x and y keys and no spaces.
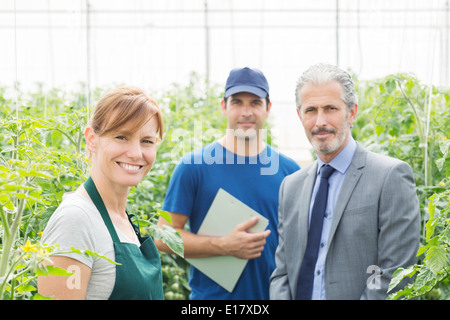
{"x":407,"y":119}
{"x":42,"y":157}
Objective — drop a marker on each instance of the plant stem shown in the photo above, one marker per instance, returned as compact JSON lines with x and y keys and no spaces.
{"x":427,"y":166}
{"x":416,"y":114}
{"x":423,"y":135}
{"x":67,"y":136}
{"x":5,"y":224}
{"x":7,"y":245}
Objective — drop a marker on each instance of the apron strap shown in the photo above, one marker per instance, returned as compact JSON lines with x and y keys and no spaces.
{"x":136,"y":227}
{"x":89,"y":185}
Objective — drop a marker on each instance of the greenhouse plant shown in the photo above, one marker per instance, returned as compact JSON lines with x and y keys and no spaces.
{"x":42,"y":156}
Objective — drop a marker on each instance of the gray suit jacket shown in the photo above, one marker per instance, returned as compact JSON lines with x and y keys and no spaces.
{"x":375,"y":228}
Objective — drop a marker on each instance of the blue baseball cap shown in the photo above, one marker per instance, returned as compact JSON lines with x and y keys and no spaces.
{"x":247,"y":80}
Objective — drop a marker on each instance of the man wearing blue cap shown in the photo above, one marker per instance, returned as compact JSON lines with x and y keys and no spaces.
{"x":245,"y":166}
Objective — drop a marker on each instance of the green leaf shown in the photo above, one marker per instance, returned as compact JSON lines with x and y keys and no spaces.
{"x":12,"y":187}
{"x":390,"y":85}
{"x":39,"y":296}
{"x":409,"y":84}
{"x":25,"y":288}
{"x":379,"y":129}
{"x":52,"y":270}
{"x":422,"y":249}
{"x":436,"y":259}
{"x":401,"y":293}
{"x":165,"y":215}
{"x":422,"y":279}
{"x":96,"y":255}
{"x":170,"y":237}
{"x":90,"y":253}
{"x":431,"y":223}
{"x":444,"y":146}
{"x":440,"y":163}
{"x":445,"y":236}
{"x":34,"y":173}
{"x":399,"y":275}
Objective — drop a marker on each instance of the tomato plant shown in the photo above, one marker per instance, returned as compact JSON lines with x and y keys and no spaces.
{"x":42,"y":156}
{"x":405,"y":118}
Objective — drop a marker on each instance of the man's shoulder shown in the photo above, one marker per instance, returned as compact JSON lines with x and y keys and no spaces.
{"x":284,"y":159}
{"x":378,"y":164}
{"x":301,"y":174}
{"x":196,"y":156}
{"x":381,"y":160}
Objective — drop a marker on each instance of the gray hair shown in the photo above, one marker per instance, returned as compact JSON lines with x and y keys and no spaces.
{"x":322,"y":73}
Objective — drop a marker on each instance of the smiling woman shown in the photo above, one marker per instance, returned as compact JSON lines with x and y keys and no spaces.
{"x":122,"y":135}
{"x":121,"y":140}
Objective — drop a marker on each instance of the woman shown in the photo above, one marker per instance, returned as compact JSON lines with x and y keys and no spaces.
{"x":121,"y":141}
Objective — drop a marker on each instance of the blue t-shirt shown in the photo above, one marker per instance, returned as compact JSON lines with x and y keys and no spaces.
{"x":253,"y":180}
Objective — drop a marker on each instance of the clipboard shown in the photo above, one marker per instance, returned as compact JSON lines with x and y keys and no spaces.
{"x":225,"y":213}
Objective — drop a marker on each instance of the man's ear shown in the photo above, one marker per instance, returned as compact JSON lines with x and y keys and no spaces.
{"x":353,"y":111}
{"x":224,"y":107}
{"x":298,"y":113}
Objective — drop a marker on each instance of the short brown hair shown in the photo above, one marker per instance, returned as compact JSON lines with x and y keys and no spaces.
{"x":120,"y":106}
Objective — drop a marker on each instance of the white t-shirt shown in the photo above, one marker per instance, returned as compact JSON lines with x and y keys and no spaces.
{"x":77,"y":223}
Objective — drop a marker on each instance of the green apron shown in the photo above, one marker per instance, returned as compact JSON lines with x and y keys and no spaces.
{"x":138,"y":277}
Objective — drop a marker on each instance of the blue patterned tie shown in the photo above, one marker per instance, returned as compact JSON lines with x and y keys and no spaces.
{"x":306,"y":277}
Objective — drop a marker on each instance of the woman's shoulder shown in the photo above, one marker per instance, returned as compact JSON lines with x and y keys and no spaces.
{"x":76,"y":214}
{"x":75,"y":206}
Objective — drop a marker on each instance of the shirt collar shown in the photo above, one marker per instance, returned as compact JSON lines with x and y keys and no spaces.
{"x":342,"y":161}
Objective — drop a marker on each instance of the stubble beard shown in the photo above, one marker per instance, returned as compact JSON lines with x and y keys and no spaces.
{"x":325,"y":147}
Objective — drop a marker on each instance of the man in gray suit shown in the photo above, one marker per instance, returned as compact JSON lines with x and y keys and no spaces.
{"x":371,"y":222}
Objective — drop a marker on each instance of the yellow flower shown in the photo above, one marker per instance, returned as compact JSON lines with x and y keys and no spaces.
{"x":28,"y":247}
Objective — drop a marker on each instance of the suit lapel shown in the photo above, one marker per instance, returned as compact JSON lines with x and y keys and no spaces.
{"x":351,"y":179}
